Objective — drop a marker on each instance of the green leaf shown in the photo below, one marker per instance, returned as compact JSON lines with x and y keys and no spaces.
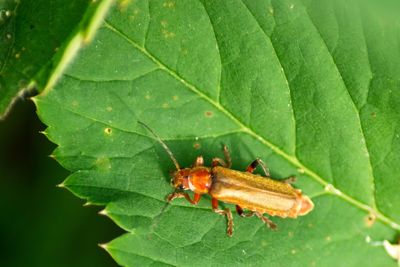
{"x":311,"y":87}
{"x":33,"y":36}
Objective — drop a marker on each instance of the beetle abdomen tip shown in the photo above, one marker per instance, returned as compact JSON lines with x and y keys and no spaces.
{"x":306,"y":205}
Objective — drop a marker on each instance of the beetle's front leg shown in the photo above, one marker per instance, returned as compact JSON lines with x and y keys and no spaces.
{"x":218,"y":161}
{"x":227,"y":163}
{"x":199,"y":162}
{"x":195,"y":200}
{"x":227,"y":156}
{"x":226,"y":212}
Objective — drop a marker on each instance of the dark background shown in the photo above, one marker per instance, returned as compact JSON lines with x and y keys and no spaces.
{"x":41,"y":224}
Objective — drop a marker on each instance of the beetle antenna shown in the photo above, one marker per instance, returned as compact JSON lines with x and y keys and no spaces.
{"x":163,"y":144}
{"x":157,"y":219}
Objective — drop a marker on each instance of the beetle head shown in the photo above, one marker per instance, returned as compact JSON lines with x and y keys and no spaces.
{"x":180,"y":179}
{"x":197,"y":179}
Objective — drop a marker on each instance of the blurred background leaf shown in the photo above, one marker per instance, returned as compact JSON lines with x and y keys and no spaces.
{"x":33,"y":35}
{"x":40,"y":224}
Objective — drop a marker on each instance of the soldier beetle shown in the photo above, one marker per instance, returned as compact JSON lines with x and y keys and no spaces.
{"x":258,"y":194}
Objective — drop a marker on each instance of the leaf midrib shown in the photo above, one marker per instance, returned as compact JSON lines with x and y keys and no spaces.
{"x":293,"y":160}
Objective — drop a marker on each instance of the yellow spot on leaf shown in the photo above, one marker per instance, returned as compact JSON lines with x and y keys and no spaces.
{"x":123,"y":5}
{"x":103,"y":164}
{"x":169,"y":4}
{"x":167,"y":34}
{"x":271,"y":10}
{"x":108,"y":131}
{"x":184,"y":51}
{"x":164,"y":23}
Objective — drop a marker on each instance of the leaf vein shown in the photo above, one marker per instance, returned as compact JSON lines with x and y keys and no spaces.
{"x":282,"y":71}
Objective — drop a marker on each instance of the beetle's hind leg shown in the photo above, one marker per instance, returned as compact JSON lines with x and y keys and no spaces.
{"x":225,"y":212}
{"x":267,"y":221}
{"x":255,"y":164}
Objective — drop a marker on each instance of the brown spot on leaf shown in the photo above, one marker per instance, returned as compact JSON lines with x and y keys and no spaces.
{"x":370,"y":219}
{"x":196,"y":145}
{"x":208,"y":114}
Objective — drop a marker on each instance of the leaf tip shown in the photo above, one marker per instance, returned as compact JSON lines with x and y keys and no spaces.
{"x":103,"y":212}
{"x":103,"y":246}
{"x":34,"y":99}
{"x":61,"y":185}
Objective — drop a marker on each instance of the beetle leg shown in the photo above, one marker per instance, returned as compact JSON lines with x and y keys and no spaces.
{"x":228,"y":158}
{"x":254,"y":165}
{"x":227,"y":163}
{"x":289,"y":180}
{"x":196,"y":197}
{"x":199,"y":162}
{"x":267,"y":221}
{"x":241,"y":213}
{"x":226,"y":212}
{"x":219,"y":161}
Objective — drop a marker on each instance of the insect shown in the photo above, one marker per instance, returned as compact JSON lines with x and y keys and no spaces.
{"x":257,"y":194}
